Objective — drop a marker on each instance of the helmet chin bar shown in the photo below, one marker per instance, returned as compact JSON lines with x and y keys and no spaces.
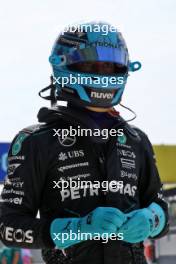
{"x":77,"y":101}
{"x":98,"y":97}
{"x":101,"y":97}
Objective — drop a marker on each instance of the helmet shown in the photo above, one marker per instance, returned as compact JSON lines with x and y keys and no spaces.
{"x":89,"y":43}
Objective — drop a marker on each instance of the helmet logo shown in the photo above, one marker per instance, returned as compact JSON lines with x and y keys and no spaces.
{"x":103,"y":44}
{"x":104,"y":41}
{"x":101,"y":95}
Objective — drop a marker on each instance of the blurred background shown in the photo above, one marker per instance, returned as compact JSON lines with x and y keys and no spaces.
{"x":27,"y":32}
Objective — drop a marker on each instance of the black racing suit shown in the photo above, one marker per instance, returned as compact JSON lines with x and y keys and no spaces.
{"x":39,"y":158}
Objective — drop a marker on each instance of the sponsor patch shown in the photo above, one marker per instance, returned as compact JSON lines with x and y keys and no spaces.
{"x":12,"y":158}
{"x":126,"y":153}
{"x":15,"y":200}
{"x":71,"y":166}
{"x":128,"y":163}
{"x":122,"y":139}
{"x":18,"y":235}
{"x":11,"y":168}
{"x":18,"y":143}
{"x":128,"y":175}
{"x":67,"y":141}
{"x":71,"y":154}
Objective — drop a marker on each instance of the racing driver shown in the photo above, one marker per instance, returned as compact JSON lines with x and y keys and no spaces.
{"x":41,"y":158}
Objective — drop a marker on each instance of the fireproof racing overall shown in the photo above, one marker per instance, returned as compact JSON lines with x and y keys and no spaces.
{"x":37,"y":160}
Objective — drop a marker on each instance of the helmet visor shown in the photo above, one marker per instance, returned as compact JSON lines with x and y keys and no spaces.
{"x":99,"y":53}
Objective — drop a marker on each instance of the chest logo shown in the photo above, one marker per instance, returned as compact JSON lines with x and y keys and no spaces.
{"x":67,"y":141}
{"x":122,"y":139}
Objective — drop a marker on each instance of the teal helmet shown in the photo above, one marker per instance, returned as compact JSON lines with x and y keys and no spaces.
{"x":89,"y":43}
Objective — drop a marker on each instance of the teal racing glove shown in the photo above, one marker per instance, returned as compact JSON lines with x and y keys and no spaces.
{"x":143,"y":223}
{"x":66,"y":232}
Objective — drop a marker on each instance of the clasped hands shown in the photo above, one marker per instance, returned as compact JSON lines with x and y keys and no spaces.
{"x":135,"y":226}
